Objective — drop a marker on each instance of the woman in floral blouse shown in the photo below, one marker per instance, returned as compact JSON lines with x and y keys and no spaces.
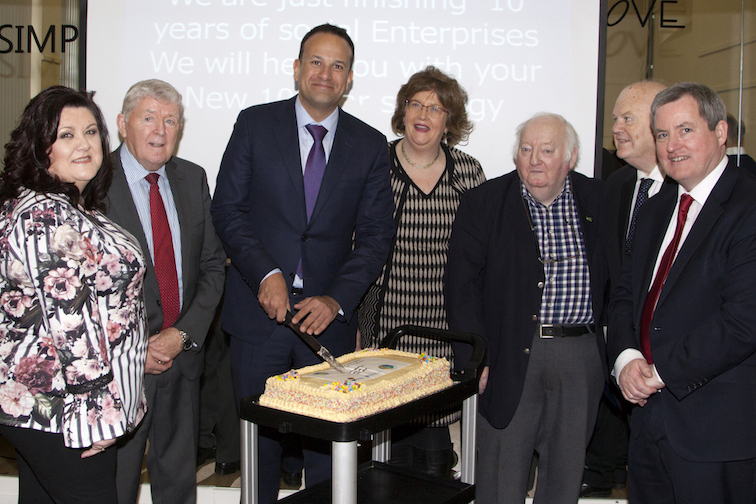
{"x":72,"y":319}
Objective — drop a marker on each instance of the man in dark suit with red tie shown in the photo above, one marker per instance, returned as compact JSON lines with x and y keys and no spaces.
{"x":681,"y":330}
{"x":304,"y":208}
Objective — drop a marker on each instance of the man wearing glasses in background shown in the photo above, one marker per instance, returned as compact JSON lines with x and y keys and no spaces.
{"x":526,"y":272}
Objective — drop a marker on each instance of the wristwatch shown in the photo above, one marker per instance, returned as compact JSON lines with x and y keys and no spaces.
{"x":187,"y":342}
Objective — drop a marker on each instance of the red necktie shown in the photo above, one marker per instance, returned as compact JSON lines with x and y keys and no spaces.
{"x":661,"y":275}
{"x":165,"y":260}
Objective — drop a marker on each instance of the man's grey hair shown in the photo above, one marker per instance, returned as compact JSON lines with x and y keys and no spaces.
{"x":572,"y":140}
{"x":710,"y":106}
{"x":152,"y":88}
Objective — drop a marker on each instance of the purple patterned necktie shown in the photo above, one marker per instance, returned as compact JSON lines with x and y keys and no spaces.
{"x":315,"y":167}
{"x":313,"y":174}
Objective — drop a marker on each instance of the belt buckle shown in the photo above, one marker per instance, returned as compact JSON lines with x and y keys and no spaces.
{"x":540,"y":331}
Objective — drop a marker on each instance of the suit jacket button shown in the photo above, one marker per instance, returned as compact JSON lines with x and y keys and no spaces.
{"x":526,"y":351}
{"x":690,"y":389}
{"x":540,"y":285}
{"x":304,"y":237}
{"x":534,"y":317}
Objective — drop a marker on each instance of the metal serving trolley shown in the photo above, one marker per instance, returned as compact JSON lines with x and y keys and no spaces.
{"x":375,"y":481}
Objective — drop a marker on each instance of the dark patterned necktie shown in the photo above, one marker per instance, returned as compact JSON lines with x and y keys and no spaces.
{"x":645,"y":185}
{"x":165,"y":259}
{"x":661,"y":275}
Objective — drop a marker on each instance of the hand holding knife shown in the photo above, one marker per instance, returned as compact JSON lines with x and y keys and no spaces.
{"x":311,"y":342}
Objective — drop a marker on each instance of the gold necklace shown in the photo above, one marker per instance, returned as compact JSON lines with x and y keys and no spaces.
{"x":414,"y":165}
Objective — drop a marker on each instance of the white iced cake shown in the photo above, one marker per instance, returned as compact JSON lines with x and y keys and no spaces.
{"x":377,"y":380}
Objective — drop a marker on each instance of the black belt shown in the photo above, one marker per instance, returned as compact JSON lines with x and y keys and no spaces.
{"x":565,"y":331}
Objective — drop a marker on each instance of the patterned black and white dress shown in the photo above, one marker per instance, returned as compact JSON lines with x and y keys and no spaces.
{"x":410,"y":287}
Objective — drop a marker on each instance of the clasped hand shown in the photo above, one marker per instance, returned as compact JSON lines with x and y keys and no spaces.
{"x":637,"y":381}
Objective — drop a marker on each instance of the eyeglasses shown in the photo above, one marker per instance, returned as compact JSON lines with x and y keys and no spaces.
{"x":434,"y":111}
{"x":538,"y":246}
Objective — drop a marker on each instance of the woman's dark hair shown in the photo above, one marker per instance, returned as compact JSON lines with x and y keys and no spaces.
{"x":452,"y":96}
{"x":27,"y":159}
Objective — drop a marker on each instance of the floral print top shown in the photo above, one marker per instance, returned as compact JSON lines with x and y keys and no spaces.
{"x":73,"y":326}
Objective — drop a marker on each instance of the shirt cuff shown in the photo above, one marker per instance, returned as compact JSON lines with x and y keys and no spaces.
{"x":628,"y":355}
{"x":277,"y":270}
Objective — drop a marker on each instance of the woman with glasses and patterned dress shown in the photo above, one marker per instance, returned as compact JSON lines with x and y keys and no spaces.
{"x":428,"y":178}
{"x":73,"y":331}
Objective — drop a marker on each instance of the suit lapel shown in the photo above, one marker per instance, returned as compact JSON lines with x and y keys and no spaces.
{"x":623,"y":215}
{"x":179,"y":189}
{"x":666,"y":201}
{"x":705,"y":222}
{"x":515,"y":205}
{"x":121,"y":209}
{"x":287,"y":139}
{"x":587,"y":212}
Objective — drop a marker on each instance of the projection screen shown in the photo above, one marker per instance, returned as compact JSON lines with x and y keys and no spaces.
{"x":514,"y":57}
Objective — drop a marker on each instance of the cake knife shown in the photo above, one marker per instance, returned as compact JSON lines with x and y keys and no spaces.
{"x":314,"y":344}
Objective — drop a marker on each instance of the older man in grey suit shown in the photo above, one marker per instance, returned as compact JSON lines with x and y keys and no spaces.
{"x":164,"y":202}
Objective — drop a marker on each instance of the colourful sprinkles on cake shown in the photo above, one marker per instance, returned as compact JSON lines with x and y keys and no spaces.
{"x":291,"y":375}
{"x":346,"y":386}
{"x":426,"y":358}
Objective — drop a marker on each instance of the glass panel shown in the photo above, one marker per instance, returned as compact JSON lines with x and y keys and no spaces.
{"x":684,"y":40}
{"x":40,"y":45}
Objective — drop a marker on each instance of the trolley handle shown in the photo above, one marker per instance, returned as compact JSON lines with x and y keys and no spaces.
{"x":474,"y":366}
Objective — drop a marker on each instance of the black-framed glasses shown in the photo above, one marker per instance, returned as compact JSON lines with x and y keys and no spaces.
{"x":434,"y":111}
{"x":575,"y":243}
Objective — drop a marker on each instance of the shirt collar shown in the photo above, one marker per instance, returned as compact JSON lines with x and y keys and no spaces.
{"x":565,"y":190}
{"x":655,"y":175}
{"x":701,"y":192}
{"x":303,"y":118}
{"x":132,"y":169}
{"x":731,"y":151}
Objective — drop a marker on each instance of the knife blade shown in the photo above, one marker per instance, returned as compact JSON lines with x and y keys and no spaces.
{"x":311,"y":342}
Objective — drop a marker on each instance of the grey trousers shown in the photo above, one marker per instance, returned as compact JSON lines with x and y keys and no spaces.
{"x":555,"y":417}
{"x":172,"y":426}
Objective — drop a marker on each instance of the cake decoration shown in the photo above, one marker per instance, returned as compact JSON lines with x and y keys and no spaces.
{"x":291,"y":375}
{"x":346,"y":386}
